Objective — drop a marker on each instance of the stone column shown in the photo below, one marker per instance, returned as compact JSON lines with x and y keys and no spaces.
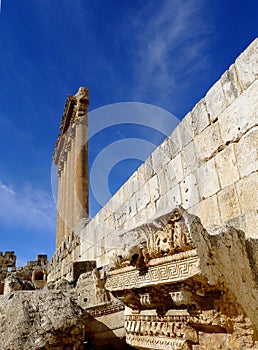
{"x":58,"y":217}
{"x":61,"y":228}
{"x":81,"y":205}
{"x":72,"y":156}
{"x":81,"y":195}
{"x":69,"y":184}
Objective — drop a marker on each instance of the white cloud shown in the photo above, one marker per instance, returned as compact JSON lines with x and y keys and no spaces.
{"x":27,"y":208}
{"x":171,"y":41}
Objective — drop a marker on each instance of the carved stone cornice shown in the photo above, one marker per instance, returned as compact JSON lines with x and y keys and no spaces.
{"x":173,"y":280}
{"x":169,"y":269}
{"x":105,"y":309}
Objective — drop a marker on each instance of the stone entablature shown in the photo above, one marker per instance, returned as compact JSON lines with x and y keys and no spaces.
{"x":160,"y":270}
{"x":193,"y":288}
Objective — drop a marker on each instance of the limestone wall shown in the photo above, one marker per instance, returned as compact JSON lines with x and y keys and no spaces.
{"x":208,"y":165}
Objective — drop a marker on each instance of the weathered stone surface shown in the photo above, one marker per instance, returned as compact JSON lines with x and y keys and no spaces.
{"x":154,"y":188}
{"x":208,"y":210}
{"x":215,"y":101}
{"x":248,"y":145}
{"x":186,"y":130}
{"x":208,"y":142}
{"x":176,"y":167}
{"x":165,"y":152}
{"x":230,"y":84}
{"x":189,"y":159}
{"x":40,"y":320}
{"x":14,"y":283}
{"x":228,"y":203}
{"x":189,"y":191}
{"x":175,"y":142}
{"x":239,"y":116}
{"x":174,"y":197}
{"x":247,"y":65}
{"x":208,"y":179}
{"x":200,"y":117}
{"x":247,"y":190}
{"x":226,"y":165}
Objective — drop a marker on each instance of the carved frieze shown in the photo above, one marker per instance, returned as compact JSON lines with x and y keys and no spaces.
{"x":165,"y":270}
{"x":172,"y":279}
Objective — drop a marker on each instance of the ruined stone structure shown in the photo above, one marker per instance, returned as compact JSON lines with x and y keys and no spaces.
{"x":183,"y":287}
{"x":7,"y":264}
{"x":176,"y":246}
{"x":71,"y":159}
{"x":31,"y":276}
{"x":171,"y":262}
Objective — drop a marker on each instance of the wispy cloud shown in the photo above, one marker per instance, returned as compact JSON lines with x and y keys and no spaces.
{"x":171,"y":39}
{"x":27,"y":208}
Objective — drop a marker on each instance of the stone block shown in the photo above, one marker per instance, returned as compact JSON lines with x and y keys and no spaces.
{"x":226,"y":165}
{"x":162,"y":205}
{"x":215,"y":101}
{"x":174,"y":197}
{"x":156,"y":160}
{"x":125,"y":191}
{"x":239,"y":116}
{"x":251,"y":224}
{"x":208,"y":142}
{"x":150,"y":211}
{"x":170,"y":174}
{"x":189,"y":191}
{"x":247,"y":153}
{"x":208,"y":211}
{"x":163,"y":178}
{"x":186,"y":130}
{"x":189,"y":159}
{"x":252,"y":99}
{"x":133,"y":184}
{"x":175,"y":142}
{"x":165,"y":152}
{"x":132,"y":206}
{"x":148,"y":169}
{"x":154,"y":188}
{"x":200,"y":117}
{"x":228,"y":203}
{"x":230,"y":85}
{"x":247,"y":191}
{"x":141,"y":175}
{"x":247,"y":65}
{"x":143,"y":197}
{"x":176,"y":168}
{"x":208,"y":179}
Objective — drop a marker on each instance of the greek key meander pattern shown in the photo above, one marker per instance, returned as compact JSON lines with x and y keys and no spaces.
{"x":154,"y":342}
{"x":164,"y":273}
{"x":105,"y":309}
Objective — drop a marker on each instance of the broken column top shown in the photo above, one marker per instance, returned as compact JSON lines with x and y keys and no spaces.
{"x":76,"y":108}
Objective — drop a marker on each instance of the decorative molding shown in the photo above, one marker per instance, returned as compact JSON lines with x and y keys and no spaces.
{"x":105,"y":309}
{"x":158,"y":273}
{"x":156,"y":342}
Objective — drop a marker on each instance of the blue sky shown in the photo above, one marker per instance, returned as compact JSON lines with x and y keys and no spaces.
{"x":167,"y":53}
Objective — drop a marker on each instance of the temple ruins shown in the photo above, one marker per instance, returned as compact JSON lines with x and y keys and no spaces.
{"x":175,"y":264}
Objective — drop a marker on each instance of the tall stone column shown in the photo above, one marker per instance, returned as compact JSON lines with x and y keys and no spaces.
{"x":81,"y":197}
